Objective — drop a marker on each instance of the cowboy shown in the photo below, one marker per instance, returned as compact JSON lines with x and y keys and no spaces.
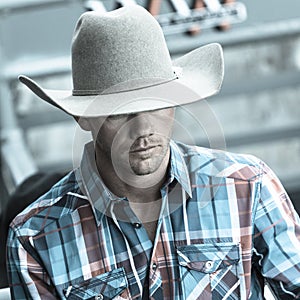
{"x":144,"y":217}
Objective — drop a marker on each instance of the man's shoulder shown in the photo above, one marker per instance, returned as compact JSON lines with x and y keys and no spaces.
{"x":219,"y":163}
{"x":62,"y":198}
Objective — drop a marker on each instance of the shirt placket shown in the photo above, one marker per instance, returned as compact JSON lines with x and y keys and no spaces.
{"x":121,"y":212}
{"x":155,"y":276}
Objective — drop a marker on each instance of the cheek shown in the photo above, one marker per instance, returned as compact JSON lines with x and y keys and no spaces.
{"x":164,"y":126}
{"x":105,"y":135}
{"x":112,"y":137}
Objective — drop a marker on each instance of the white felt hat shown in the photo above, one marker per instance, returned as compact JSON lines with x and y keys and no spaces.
{"x":121,"y":65}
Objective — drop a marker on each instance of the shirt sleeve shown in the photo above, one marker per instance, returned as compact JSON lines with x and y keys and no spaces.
{"x":277,"y":237}
{"x":26,"y":276}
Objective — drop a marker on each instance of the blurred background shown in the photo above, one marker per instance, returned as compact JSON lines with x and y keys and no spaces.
{"x":256,"y":112}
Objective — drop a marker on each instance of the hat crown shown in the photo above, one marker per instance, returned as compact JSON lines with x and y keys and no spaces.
{"x":123,"y":46}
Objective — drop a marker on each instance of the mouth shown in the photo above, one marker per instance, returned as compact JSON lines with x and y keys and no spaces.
{"x":143,"y":149}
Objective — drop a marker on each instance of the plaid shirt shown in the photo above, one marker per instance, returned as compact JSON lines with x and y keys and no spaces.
{"x":225,"y":221}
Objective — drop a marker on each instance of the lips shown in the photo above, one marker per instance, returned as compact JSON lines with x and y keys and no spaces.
{"x":143,"y":145}
{"x":143,"y":149}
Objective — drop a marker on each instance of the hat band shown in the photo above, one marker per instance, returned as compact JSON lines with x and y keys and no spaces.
{"x":98,"y":92}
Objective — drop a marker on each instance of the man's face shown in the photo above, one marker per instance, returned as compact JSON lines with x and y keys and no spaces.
{"x":139,"y":142}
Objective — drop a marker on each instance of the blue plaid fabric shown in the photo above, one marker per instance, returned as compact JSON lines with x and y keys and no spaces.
{"x":225,"y":223}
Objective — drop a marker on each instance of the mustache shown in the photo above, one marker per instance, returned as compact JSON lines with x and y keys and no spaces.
{"x":143,"y":143}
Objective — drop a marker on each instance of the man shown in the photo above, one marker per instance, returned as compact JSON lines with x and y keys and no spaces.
{"x":144,"y":217}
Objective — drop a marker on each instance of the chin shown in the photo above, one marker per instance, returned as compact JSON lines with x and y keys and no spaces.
{"x":142,"y":171}
{"x":144,"y":168}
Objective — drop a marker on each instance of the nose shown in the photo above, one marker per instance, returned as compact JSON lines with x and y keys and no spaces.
{"x":141,"y":125}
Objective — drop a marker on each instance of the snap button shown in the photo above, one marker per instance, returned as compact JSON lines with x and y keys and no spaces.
{"x":209,"y":264}
{"x":154,"y":266}
{"x":99,"y":297}
{"x":137,"y":225}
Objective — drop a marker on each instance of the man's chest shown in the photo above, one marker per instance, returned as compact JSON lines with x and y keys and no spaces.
{"x":190,"y":255}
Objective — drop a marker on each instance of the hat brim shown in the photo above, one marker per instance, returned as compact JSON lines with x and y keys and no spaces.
{"x":200,"y":75}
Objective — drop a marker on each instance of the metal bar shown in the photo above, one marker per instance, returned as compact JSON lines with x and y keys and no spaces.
{"x":173,"y":23}
{"x":248,"y":34}
{"x":9,"y":6}
{"x":256,"y":138}
{"x":43,"y":118}
{"x":38,"y":68}
{"x":15,"y":155}
{"x":7,"y":117}
{"x":255,"y":85}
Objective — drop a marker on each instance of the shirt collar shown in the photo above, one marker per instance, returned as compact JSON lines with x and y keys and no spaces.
{"x":101,"y":197}
{"x":91,"y":182}
{"x":178,"y":168}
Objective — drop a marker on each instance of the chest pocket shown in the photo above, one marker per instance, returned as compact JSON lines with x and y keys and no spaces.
{"x":209,"y":271}
{"x":110,"y":285}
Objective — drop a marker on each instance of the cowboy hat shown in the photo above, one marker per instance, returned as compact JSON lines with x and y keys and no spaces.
{"x":121,"y":65}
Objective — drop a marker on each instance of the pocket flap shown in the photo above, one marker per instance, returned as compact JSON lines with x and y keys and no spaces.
{"x":208,"y":258}
{"x":103,"y":286}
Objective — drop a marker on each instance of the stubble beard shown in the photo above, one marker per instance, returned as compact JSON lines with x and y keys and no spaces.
{"x":148,"y":164}
{"x":140,"y":165}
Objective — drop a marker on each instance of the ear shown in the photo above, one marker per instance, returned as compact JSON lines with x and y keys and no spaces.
{"x":83,"y":123}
